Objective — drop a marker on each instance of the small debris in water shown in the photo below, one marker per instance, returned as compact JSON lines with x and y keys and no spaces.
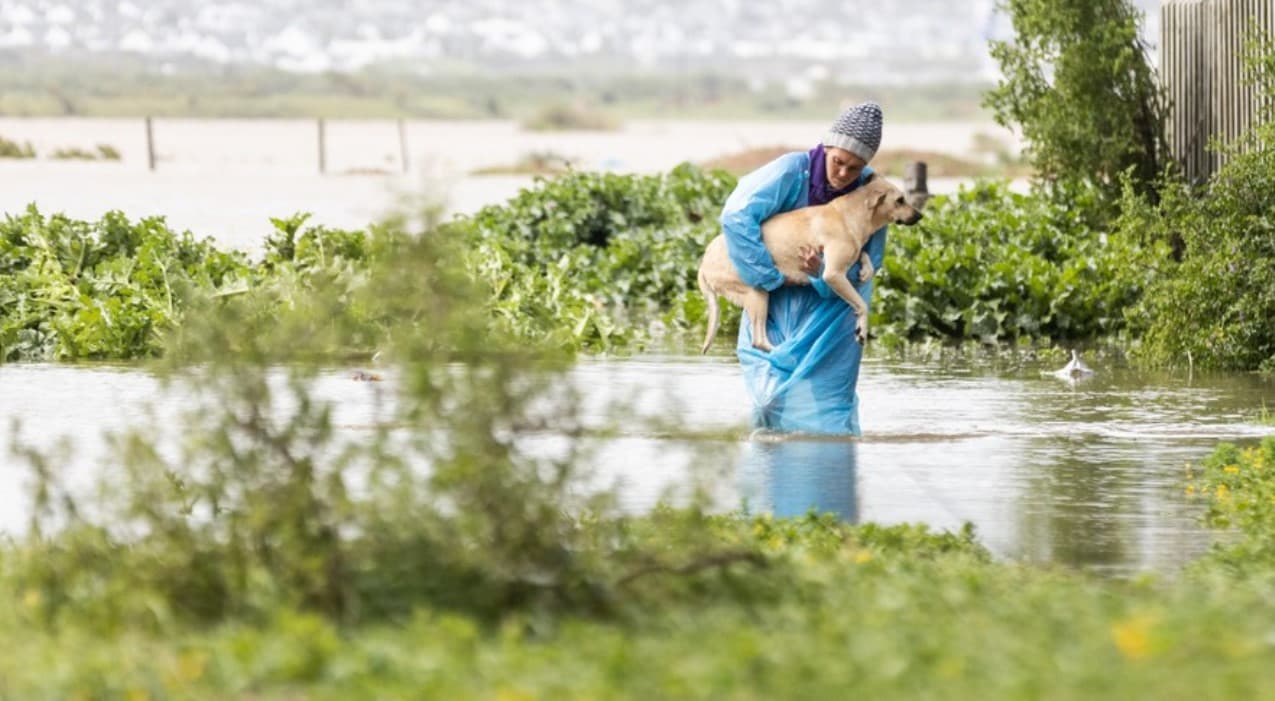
{"x":1074,"y":370}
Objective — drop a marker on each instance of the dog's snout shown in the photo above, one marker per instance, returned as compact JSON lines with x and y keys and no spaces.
{"x":916,"y":217}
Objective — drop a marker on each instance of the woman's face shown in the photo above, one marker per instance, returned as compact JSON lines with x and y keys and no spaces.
{"x":843,"y":167}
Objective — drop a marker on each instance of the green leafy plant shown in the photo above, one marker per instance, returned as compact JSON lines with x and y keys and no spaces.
{"x":596,"y":260}
{"x":1216,"y":309}
{"x":992,"y":265}
{"x":115,"y":289}
{"x":106,"y":289}
{"x":1078,"y":82}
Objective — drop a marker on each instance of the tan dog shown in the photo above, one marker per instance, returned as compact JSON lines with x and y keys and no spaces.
{"x":839,"y":228}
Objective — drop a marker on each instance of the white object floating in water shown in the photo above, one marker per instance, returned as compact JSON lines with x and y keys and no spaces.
{"x":1075,"y":369}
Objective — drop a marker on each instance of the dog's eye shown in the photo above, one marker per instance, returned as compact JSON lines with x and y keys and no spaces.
{"x":899,"y":201}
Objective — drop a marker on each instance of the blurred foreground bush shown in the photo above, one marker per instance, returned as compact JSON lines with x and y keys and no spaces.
{"x":253,"y":502}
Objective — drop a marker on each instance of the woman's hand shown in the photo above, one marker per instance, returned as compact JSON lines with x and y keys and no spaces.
{"x":811,"y":259}
{"x":811,"y":263}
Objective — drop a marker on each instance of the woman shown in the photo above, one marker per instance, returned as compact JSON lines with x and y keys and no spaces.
{"x":807,"y":383}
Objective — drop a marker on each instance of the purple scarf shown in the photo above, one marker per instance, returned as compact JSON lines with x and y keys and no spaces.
{"x":820,"y":191}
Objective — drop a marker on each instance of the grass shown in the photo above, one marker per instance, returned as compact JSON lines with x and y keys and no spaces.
{"x":546,"y":163}
{"x":13,"y":149}
{"x":129,"y":87}
{"x":103,"y":152}
{"x":558,"y":117}
{"x":1265,"y":416}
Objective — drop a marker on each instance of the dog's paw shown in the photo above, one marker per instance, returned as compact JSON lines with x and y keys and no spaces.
{"x":866,"y":271}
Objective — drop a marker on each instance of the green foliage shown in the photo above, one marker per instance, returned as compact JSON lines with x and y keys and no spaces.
{"x":1238,"y":486}
{"x":12,"y":149}
{"x":103,"y":152}
{"x":252,"y":547}
{"x":840,"y":617}
{"x":990,"y":264}
{"x":127,"y":86}
{"x":1217,"y":308}
{"x":561,"y":117}
{"x":588,"y":261}
{"x":115,"y":289}
{"x":107,"y":289}
{"x":1259,"y":60}
{"x":315,"y":247}
{"x":1079,"y":84}
{"x":263,"y":505}
{"x":594,"y":259}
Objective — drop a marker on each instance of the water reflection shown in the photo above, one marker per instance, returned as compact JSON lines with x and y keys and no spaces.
{"x":792,"y":477}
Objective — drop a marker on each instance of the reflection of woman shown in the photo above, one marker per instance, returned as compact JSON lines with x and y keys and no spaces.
{"x":790,"y":478}
{"x":807,"y":383}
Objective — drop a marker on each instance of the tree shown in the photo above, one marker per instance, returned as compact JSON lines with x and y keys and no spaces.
{"x":1078,"y":82}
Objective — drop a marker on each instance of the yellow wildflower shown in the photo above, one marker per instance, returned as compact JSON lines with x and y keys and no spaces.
{"x":1231,"y":469}
{"x":1132,"y":637}
{"x":191,"y":666}
{"x":1223,"y":493}
{"x":862,"y":556}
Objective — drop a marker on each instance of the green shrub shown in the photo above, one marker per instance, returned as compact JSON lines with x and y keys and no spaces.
{"x":561,"y":117}
{"x":1217,"y":308}
{"x":264,"y":505}
{"x":990,"y":264}
{"x":12,"y":149}
{"x":114,"y":289}
{"x":1237,"y":486}
{"x":103,"y":152}
{"x":1078,"y":82}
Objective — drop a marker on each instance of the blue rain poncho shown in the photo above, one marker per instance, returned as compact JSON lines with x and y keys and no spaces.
{"x":790,"y":478}
{"x":807,"y":383}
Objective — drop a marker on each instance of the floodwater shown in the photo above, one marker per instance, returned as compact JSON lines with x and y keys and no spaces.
{"x":1089,"y":474}
{"x":225,"y":178}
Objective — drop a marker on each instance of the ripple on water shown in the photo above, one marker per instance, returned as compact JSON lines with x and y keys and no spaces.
{"x":1088,"y":475}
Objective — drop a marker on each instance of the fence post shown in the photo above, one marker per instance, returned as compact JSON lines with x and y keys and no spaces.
{"x":915,"y":187}
{"x":323,"y":155}
{"x":402,"y":144}
{"x":150,"y":144}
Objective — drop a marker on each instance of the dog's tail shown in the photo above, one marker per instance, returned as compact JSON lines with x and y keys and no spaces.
{"x":714,"y":311}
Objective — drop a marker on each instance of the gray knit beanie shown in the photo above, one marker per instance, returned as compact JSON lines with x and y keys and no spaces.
{"x":857,"y":130}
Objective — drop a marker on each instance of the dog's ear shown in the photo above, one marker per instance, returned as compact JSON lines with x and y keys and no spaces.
{"x":869,"y":177}
{"x":876,"y":199}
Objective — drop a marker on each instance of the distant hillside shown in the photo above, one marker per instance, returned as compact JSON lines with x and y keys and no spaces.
{"x":801,"y":40}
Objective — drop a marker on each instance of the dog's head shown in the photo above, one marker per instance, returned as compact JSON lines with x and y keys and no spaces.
{"x":888,"y":204}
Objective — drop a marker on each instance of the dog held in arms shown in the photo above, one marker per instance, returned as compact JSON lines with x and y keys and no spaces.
{"x":839,"y":228}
